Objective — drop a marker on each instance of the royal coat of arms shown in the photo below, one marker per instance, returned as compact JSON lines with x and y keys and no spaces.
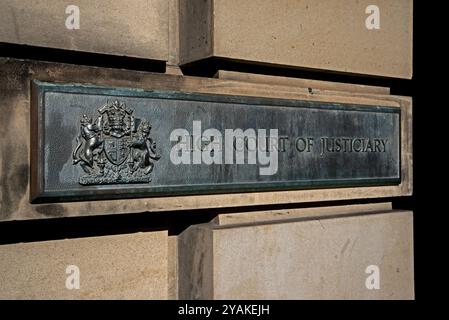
{"x":115,"y":147}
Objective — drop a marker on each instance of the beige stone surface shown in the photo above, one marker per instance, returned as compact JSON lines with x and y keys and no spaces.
{"x":196,"y":263}
{"x":132,"y":266}
{"x":295,"y":213}
{"x":172,"y":262}
{"x":136,"y":28}
{"x":195,"y":30}
{"x":316,"y":86}
{"x":15,"y":140}
{"x":173,"y":34}
{"x":316,"y":34}
{"x":316,"y":258}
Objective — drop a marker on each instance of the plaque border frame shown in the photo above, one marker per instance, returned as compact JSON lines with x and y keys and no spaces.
{"x":38,"y":193}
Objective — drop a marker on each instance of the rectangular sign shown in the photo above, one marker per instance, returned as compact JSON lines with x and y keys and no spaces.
{"x":103,"y":143}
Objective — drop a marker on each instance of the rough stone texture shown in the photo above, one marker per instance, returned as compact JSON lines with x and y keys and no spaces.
{"x":195,"y":263}
{"x":138,"y":28}
{"x":15,"y":140}
{"x":195,"y":30}
{"x":172,"y":66}
{"x":315,"y":258}
{"x":317,"y":34}
{"x":315,"y":85}
{"x":172,"y":262}
{"x":130,"y":266}
{"x":290,"y":214}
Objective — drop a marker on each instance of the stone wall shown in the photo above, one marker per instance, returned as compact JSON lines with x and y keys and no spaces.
{"x":295,"y":244}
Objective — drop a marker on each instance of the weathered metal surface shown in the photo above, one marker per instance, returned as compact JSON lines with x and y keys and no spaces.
{"x":103,"y":143}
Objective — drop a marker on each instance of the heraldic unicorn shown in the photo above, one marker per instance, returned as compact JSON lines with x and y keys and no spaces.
{"x":115,"y":147}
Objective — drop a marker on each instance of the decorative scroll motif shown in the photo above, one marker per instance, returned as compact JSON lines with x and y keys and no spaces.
{"x":115,"y":147}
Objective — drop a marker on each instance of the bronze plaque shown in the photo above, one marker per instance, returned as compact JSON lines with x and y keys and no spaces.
{"x":103,"y":143}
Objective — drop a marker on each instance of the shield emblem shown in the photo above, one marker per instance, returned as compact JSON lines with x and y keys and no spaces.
{"x":116,"y":150}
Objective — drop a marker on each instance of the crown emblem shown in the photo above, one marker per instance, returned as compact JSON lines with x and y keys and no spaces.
{"x":119,"y":119}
